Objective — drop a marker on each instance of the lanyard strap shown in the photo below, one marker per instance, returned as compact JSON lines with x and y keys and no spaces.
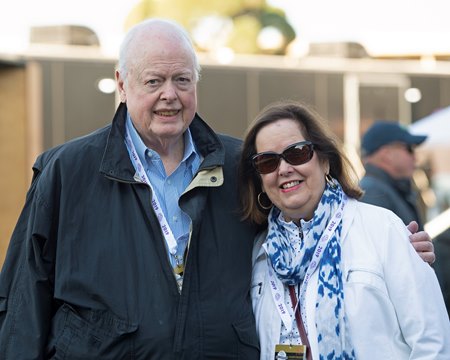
{"x":165,"y":228}
{"x":298,"y":320}
{"x":278,"y":297}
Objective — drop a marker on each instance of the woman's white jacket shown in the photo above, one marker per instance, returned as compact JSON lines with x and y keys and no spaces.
{"x":393,"y":302}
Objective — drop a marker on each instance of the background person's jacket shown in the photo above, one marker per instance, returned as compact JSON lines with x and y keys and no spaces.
{"x":396,"y":195}
{"x":87,"y":274}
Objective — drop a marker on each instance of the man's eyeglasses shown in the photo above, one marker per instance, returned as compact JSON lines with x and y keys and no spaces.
{"x":408,"y":147}
{"x":295,"y":154}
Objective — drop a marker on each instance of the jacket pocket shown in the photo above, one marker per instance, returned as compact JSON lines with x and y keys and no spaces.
{"x":89,"y":334}
{"x":248,"y":340}
{"x":366,"y":278}
{"x":256,"y":290}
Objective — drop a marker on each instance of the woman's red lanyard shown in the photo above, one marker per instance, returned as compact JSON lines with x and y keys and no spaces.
{"x":298,"y":320}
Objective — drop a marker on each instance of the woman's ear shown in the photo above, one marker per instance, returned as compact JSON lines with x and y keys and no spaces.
{"x":326,"y":166}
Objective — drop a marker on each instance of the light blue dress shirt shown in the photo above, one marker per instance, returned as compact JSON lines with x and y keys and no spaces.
{"x":168,"y":189}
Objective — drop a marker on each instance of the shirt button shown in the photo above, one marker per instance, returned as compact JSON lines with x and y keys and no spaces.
{"x":213,"y":179}
{"x":169,"y":182}
{"x":175,"y":218}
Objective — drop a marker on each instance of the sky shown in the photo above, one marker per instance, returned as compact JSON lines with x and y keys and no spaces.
{"x":105,"y":17}
{"x":382,"y":26}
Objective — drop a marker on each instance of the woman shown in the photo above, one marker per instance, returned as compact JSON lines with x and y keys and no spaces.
{"x":345,"y":266}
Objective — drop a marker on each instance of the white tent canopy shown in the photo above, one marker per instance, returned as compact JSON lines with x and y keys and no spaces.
{"x":436,"y":126}
{"x":436,"y":149}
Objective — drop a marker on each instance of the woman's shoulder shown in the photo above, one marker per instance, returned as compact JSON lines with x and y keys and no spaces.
{"x":373,"y":226}
{"x":371,"y":214}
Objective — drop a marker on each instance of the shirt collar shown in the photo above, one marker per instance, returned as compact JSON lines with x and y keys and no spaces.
{"x":141,"y":148}
{"x":292,"y":228}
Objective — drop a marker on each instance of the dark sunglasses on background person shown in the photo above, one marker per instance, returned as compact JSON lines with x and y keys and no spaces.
{"x":295,"y":154}
{"x":408,"y":147}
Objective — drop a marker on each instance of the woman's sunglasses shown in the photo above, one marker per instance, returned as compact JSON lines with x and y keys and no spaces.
{"x":295,"y":154}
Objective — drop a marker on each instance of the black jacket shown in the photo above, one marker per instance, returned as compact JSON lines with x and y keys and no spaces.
{"x":396,"y":195}
{"x":87,"y":274}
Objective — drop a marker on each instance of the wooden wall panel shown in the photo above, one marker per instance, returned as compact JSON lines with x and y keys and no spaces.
{"x":14,"y":178}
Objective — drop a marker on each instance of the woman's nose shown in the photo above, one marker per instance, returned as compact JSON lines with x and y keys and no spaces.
{"x":284,"y":167}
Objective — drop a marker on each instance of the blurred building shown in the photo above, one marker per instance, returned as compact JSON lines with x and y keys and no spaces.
{"x":55,"y":92}
{"x":64,"y":35}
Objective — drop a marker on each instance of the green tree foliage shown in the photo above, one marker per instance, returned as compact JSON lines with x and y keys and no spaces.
{"x":247,"y":18}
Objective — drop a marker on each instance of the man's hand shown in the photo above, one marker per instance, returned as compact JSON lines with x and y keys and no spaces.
{"x":421,"y":242}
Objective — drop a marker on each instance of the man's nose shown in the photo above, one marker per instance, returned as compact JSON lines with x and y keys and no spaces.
{"x":168,"y":92}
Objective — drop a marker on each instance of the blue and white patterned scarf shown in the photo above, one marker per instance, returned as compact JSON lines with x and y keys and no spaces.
{"x":290,"y":265}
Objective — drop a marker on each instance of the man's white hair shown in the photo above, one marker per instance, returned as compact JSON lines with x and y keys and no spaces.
{"x":136,"y":30}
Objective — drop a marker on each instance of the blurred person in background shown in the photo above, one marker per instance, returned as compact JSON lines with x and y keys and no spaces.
{"x":442,"y":264}
{"x":130,"y":244}
{"x":439,"y":157}
{"x":333,"y":276}
{"x":387,"y":152}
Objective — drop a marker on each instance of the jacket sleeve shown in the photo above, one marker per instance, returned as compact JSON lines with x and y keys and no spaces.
{"x":416,"y":295}
{"x":26,"y":282}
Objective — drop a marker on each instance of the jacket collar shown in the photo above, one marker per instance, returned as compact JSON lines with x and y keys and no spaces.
{"x":349,"y":216}
{"x":403,"y":186}
{"x":207,"y":143}
{"x":116,"y":162}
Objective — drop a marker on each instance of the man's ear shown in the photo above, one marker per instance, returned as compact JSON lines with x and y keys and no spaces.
{"x":121,"y":87}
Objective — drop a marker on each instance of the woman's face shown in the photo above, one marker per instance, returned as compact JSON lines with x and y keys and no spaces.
{"x":294,"y":189}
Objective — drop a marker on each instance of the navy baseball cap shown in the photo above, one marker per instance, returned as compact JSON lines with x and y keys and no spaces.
{"x":385,"y":132}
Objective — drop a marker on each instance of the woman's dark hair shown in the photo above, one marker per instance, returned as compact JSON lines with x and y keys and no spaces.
{"x":327,"y":146}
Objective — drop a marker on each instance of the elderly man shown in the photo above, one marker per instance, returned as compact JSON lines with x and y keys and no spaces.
{"x":130,"y":244}
{"x":389,"y":161}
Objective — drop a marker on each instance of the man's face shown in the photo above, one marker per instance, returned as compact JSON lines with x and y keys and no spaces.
{"x":402,"y":159}
{"x":160,"y":90}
